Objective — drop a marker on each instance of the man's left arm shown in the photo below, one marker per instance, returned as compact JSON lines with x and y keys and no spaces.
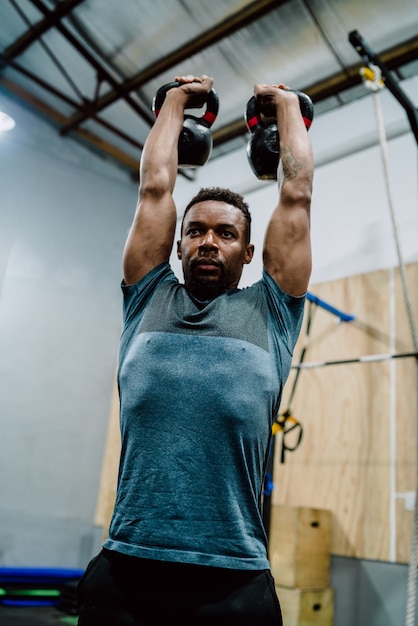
{"x":287,"y":246}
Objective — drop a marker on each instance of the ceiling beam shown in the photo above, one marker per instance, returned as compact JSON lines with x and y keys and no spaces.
{"x":37,"y":30}
{"x":102,"y":72}
{"x":236,"y":21}
{"x":394,"y":59}
{"x":331,"y":86}
{"x":98,"y":145}
{"x":64,"y":98}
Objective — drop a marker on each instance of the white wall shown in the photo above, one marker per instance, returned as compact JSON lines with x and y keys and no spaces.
{"x":64,"y":215}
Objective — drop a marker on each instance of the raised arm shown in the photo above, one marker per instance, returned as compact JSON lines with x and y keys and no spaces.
{"x":287,"y":245}
{"x":150,"y":239}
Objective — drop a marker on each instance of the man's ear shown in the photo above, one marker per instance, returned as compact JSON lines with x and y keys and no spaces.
{"x":179,"y":249}
{"x":249,"y":253}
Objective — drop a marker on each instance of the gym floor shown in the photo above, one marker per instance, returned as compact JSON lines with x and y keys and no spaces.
{"x":34,"y":616}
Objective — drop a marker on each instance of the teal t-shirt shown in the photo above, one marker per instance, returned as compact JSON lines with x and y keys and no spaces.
{"x":200,"y":385}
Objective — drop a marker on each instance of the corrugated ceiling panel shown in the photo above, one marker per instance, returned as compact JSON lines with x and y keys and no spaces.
{"x":12,"y":21}
{"x":135,"y":34}
{"x":383,"y":23}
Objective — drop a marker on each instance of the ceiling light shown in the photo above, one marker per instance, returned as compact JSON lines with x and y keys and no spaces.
{"x":6,"y":122}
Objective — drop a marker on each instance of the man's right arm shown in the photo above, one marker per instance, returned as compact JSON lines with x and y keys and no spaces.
{"x":151,"y":237}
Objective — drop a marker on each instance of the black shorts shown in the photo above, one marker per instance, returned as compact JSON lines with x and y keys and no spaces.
{"x":120,"y":590}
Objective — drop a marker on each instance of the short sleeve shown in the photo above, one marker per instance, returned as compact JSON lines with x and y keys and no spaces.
{"x":136,"y":296}
{"x":285,"y":311}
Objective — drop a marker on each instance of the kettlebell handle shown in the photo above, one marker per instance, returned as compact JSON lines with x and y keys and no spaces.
{"x":254,"y":121}
{"x":212,"y":104}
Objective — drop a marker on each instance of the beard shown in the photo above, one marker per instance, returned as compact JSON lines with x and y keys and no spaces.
{"x":205,"y":287}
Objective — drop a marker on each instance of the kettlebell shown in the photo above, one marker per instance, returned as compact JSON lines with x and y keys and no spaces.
{"x":263,"y":149}
{"x":195,"y":141}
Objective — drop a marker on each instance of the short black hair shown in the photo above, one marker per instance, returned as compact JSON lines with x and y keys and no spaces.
{"x":221,"y":194}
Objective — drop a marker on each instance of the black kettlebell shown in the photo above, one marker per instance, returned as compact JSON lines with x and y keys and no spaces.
{"x":263,"y":149}
{"x":195,"y":141}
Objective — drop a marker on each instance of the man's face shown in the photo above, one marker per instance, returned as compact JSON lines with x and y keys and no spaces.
{"x":213,"y":248}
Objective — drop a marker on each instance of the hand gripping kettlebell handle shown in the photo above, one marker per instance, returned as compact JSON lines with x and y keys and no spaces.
{"x":195,"y":140}
{"x":212,"y":104}
{"x":253,"y":119}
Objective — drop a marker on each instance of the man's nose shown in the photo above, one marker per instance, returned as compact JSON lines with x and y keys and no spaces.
{"x":209,"y":240}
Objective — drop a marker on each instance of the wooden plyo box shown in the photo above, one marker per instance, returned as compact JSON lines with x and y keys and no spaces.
{"x":299,"y":546}
{"x":301,"y":607}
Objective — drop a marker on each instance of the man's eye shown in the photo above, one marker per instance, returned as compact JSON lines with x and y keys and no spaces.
{"x":193,"y":231}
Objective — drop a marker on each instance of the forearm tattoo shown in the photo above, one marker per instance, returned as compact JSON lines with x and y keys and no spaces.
{"x":290,"y":167}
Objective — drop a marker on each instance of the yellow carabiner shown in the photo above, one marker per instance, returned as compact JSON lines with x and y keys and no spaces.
{"x":372,"y":77}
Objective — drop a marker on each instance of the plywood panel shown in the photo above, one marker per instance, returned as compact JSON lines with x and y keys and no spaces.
{"x":342,"y":463}
{"x":299,"y":549}
{"x":346,"y":461}
{"x":403,"y":531}
{"x":108,"y":482}
{"x":306,"y":607}
{"x":405,"y":434}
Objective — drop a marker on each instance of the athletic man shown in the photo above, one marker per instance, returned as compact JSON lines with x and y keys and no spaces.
{"x":202,"y":368}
